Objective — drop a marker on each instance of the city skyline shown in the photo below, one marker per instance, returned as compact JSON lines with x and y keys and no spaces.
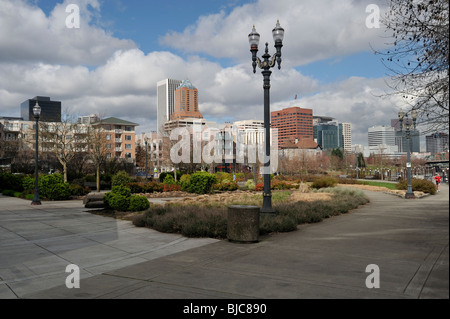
{"x":112,"y":63}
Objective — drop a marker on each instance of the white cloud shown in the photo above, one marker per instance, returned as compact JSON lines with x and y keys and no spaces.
{"x":28,"y":35}
{"x":315,"y":30}
{"x":123,"y":80}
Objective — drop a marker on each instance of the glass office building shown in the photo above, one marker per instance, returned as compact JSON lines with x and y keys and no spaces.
{"x":50,"y":110}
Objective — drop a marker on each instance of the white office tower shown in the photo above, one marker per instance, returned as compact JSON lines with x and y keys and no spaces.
{"x":347,"y":134}
{"x":166,"y":101}
{"x":382,"y":135}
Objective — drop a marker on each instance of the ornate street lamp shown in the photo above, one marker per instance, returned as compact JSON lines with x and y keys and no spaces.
{"x":146,"y":151}
{"x":37,"y":114}
{"x":407,"y":126}
{"x":266,"y":65}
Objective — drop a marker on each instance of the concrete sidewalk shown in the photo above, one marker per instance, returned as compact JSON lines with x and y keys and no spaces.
{"x":38,"y":243}
{"x":407,"y":240}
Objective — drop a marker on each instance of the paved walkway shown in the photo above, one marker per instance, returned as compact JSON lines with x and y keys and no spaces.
{"x":38,"y":243}
{"x":407,"y":240}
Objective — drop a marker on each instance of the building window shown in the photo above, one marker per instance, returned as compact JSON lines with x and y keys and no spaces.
{"x":128,"y":137}
{"x":108,"y":146}
{"x":108,"y":137}
{"x":128,"y":146}
{"x":128,"y":128}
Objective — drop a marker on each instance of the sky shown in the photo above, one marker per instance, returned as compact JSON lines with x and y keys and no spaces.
{"x":111,"y":64}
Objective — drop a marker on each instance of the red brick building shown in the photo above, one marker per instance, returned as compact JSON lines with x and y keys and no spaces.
{"x":294,"y":124}
{"x":186,"y":102}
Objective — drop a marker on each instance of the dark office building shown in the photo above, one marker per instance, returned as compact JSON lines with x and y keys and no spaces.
{"x":50,"y":110}
{"x":400,"y":137}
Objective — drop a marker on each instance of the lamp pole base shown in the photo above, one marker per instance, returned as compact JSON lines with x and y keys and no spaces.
{"x":410,"y":196}
{"x":36,"y":200}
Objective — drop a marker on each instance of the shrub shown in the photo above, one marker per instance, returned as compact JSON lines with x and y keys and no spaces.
{"x":136,"y":188}
{"x":250,"y":185}
{"x":158,"y":187}
{"x":259,"y":187}
{"x":78,"y":190}
{"x":121,"y":190}
{"x":119,"y":202}
{"x":121,"y":179}
{"x":28,"y":183}
{"x":139,"y":220}
{"x":223,"y":177}
{"x":185,"y":182}
{"x":418,"y":185}
{"x":51,"y":187}
{"x":324,"y":182}
{"x":12,"y":182}
{"x":169,"y":180}
{"x":226,"y":187}
{"x":60,"y":191}
{"x":8,"y":192}
{"x":138,"y":203}
{"x":202,"y":182}
{"x":171,"y":188}
{"x":163,"y":175}
{"x":118,"y":198}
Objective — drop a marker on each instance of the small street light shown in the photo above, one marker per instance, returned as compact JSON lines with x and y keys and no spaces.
{"x":37,"y":114}
{"x":407,"y":126}
{"x":266,"y":65}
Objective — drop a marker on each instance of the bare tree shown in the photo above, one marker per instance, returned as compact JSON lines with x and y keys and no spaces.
{"x":62,"y":139}
{"x":97,"y":149}
{"x":419,"y":58}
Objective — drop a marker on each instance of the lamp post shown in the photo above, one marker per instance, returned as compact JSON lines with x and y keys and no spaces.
{"x":266,"y":65}
{"x":407,"y":127}
{"x":37,"y":114}
{"x":146,"y":148}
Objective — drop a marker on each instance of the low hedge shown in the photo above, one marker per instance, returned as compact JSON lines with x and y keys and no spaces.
{"x":120,"y":199}
{"x":418,"y":185}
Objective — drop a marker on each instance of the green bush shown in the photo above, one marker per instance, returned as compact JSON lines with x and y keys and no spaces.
{"x":119,"y":202}
{"x":185,"y":182}
{"x":138,"y":203}
{"x":226,"y":187}
{"x":324,"y":182}
{"x":8,"y":192}
{"x":250,"y":185}
{"x":169,"y":180}
{"x":118,"y":198}
{"x":121,"y":190}
{"x":51,"y":187}
{"x":60,"y":191}
{"x":418,"y":185}
{"x":121,"y":179}
{"x":163,"y":175}
{"x":202,"y":182}
{"x":78,"y":190}
{"x":11,"y":181}
{"x":137,"y":188}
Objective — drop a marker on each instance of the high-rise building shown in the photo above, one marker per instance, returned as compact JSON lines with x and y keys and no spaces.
{"x":437,"y":143}
{"x":50,"y":110}
{"x":347,"y":137}
{"x":381,"y":135}
{"x":186,"y":102}
{"x":293,"y":124}
{"x":166,"y":101}
{"x":329,"y":135}
{"x":400,"y":136}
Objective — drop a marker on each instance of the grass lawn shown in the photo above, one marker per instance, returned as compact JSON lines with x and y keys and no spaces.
{"x":380,"y":184}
